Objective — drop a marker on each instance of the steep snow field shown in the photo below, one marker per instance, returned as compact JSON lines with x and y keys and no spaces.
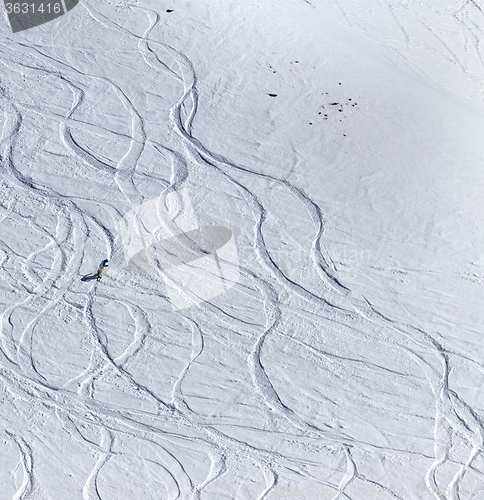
{"x":339,"y":145}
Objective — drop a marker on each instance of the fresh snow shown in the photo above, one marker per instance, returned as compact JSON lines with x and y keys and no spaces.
{"x":341,"y":143}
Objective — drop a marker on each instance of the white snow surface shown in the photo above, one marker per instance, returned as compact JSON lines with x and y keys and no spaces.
{"x":347,"y":361}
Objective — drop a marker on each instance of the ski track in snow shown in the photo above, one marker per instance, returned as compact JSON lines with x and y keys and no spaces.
{"x":27,"y":486}
{"x":174,"y":424}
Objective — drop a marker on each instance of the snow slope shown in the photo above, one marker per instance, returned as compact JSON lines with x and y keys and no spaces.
{"x":347,"y":360}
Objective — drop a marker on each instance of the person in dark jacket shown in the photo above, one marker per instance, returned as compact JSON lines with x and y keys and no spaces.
{"x":103,"y":265}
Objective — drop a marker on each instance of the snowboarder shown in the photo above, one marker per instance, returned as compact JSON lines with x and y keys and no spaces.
{"x":103,"y":264}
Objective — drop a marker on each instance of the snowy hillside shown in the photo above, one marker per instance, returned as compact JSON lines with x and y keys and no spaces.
{"x":290,"y":196}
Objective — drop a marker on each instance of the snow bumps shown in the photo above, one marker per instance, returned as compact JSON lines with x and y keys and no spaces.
{"x":25,"y":15}
{"x":162,"y":236}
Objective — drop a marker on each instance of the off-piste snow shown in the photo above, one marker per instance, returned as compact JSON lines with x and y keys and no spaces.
{"x":290,"y":196}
